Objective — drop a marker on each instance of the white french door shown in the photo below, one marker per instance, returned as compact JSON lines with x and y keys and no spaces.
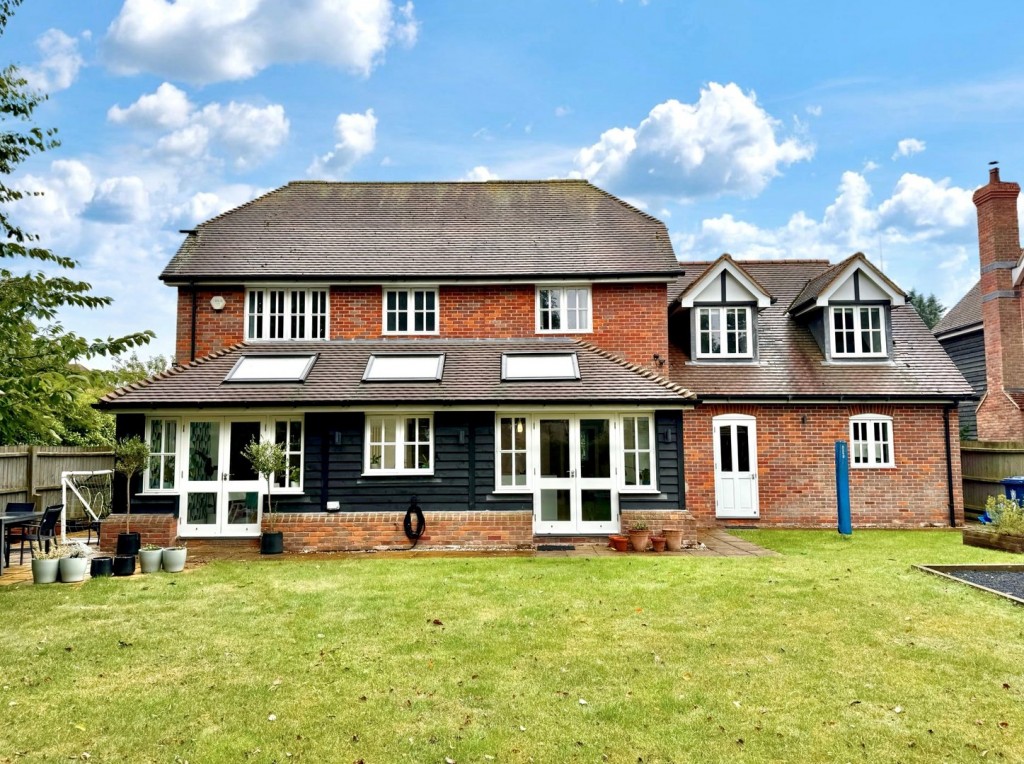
{"x":735,"y":437}
{"x":575,"y":491}
{"x":220,"y":490}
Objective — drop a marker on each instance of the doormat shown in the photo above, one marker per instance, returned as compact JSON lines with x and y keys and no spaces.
{"x":556,"y":547}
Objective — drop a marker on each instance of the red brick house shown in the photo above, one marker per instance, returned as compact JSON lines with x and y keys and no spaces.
{"x":502,"y":351}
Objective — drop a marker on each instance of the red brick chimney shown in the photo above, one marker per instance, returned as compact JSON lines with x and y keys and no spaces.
{"x":1000,"y":415}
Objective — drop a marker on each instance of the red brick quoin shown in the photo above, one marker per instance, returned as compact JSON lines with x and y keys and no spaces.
{"x":796,"y":467}
{"x":628,"y":319}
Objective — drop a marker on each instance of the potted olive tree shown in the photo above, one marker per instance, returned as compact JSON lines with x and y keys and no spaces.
{"x":266,"y":458}
{"x":130,"y":457}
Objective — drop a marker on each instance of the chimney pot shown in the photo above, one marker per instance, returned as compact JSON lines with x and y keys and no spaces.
{"x":993,"y":175}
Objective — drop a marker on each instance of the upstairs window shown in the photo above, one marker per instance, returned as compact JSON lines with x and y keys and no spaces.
{"x":563,"y":309}
{"x":858,"y":331}
{"x":410,"y":311}
{"x":286,"y":314}
{"x":871,"y":441}
{"x":724,"y":333}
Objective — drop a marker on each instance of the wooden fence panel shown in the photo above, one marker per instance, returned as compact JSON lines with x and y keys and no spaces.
{"x":984,"y":464}
{"x":30,"y":473}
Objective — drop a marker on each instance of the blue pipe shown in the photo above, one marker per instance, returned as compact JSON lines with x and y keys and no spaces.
{"x":843,"y":488}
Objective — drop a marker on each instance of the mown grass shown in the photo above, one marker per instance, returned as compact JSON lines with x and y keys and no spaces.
{"x":834,"y":650}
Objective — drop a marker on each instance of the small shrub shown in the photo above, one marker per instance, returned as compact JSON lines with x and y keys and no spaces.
{"x":1006,"y":514}
{"x":639,"y":526}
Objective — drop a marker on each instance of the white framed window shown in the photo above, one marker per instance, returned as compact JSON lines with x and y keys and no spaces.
{"x":563,"y":309}
{"x":511,"y":454}
{"x":399,"y":445}
{"x":288,"y":435}
{"x":410,"y":311}
{"x":724,"y":333}
{"x":163,"y":445}
{"x":286,"y":314}
{"x":638,"y":457}
{"x":871,"y":441}
{"x":858,"y":331}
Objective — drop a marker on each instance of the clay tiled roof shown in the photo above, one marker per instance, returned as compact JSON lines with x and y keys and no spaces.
{"x":472,"y":374}
{"x":966,"y":313}
{"x":792,"y":364}
{"x":815,"y":286}
{"x":426,"y":231}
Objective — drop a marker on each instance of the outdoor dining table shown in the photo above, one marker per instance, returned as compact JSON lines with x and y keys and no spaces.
{"x":8,"y":520}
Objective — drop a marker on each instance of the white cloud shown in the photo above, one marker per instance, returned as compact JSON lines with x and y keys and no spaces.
{"x":562,"y":111}
{"x":168,"y":107}
{"x":814,"y":111}
{"x":870,"y":166}
{"x":908,"y":147}
{"x":202,"y":42}
{"x":357,"y":137}
{"x":723,"y":144}
{"x":923,"y":203}
{"x":119,"y":200}
{"x":203,"y":205}
{"x":245,"y":133}
{"x":60,"y":65}
{"x":480,"y":173}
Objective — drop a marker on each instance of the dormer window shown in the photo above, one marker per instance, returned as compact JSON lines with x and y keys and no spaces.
{"x":723,"y":332}
{"x":858,"y":331}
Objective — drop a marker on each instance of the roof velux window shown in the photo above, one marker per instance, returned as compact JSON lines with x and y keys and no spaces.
{"x":539,"y":366}
{"x":271,"y":368}
{"x":404,"y":367}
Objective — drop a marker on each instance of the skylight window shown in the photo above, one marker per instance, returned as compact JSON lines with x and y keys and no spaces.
{"x":271,"y":368}
{"x":405,"y":367}
{"x":539,"y":366}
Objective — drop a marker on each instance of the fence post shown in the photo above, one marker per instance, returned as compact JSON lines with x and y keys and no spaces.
{"x":843,"y":488}
{"x":33,"y":474}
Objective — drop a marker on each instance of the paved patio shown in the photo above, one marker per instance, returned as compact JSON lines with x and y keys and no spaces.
{"x":717,"y":543}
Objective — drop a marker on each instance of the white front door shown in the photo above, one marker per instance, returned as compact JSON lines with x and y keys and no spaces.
{"x":735,"y":438}
{"x":575,"y":488}
{"x":221,"y":492}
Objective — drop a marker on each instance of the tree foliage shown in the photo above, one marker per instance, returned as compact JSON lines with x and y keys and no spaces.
{"x":43,"y":384}
{"x":267,"y":457}
{"x":928,"y":307}
{"x":131,"y":455}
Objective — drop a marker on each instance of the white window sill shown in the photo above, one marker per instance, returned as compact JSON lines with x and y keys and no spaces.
{"x":565,"y":331}
{"x":723,"y":358}
{"x":872,"y":466}
{"x":398,"y":473}
{"x":516,"y":489}
{"x":411,"y":334}
{"x":644,"y":490}
{"x":160,"y":492}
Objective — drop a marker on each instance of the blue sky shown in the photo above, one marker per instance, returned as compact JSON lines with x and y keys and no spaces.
{"x":784,"y":129}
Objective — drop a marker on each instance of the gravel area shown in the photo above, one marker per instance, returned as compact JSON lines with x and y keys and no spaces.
{"x":1008,"y":582}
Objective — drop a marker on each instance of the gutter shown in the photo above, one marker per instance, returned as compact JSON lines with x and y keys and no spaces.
{"x":949,"y":465}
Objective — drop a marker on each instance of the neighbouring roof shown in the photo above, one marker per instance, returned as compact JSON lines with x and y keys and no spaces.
{"x":314,"y":230}
{"x":472,"y":374}
{"x":966,"y":314}
{"x":790,"y":362}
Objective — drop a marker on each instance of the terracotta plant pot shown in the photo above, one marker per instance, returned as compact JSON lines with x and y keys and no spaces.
{"x":639,"y":540}
{"x":619,"y":543}
{"x":673,"y":539}
{"x":658,"y":542}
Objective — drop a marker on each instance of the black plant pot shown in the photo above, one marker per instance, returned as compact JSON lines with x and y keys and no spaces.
{"x":124,"y":565}
{"x":272,"y":543}
{"x":101,"y":566}
{"x":129,"y":543}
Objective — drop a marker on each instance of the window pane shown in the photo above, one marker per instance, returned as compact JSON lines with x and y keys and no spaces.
{"x":742,"y":448}
{"x":295,"y":443}
{"x":280,"y":432}
{"x":171,"y":437}
{"x":596,"y":505}
{"x":520,"y":426}
{"x":424,"y":430}
{"x":643,"y":425}
{"x":154,"y":472}
{"x":506,"y":469}
{"x":410,"y":457}
{"x":520,"y":466}
{"x":630,"y":457}
{"x":389,"y":457}
{"x":156,"y":427}
{"x":554,"y":505}
{"x":505,"y":433}
{"x":629,"y":432}
{"x":410,"y":429}
{"x":423,"y":457}
{"x":169,"y":467}
{"x":644,"y":478}
{"x":725,"y":447}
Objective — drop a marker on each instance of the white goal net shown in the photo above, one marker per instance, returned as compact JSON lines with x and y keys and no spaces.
{"x":86,"y":500}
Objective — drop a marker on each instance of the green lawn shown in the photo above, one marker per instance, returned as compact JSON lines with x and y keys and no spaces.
{"x":835,"y":650}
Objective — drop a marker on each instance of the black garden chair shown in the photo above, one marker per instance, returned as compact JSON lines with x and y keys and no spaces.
{"x":13,"y":534}
{"x":45,"y":531}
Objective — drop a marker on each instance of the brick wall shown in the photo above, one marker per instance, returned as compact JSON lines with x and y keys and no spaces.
{"x":161,"y":530}
{"x":345,"y":531}
{"x":628,"y":319}
{"x":796,"y":467}
{"x":215,"y":330}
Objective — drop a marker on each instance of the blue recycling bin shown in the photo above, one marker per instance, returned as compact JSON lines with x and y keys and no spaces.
{"x":1013,"y":487}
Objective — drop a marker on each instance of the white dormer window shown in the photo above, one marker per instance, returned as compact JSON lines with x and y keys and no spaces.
{"x":410,"y":311}
{"x":286,"y":314}
{"x":858,"y":331}
{"x":724,"y":332}
{"x":563,"y":309}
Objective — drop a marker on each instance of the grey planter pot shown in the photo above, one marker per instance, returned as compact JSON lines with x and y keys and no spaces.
{"x":149,"y":560}
{"x":72,"y":569}
{"x":45,"y":571}
{"x":174,"y":560}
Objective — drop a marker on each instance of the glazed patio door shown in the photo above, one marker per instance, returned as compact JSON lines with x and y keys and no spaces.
{"x":735,"y":438}
{"x":221,"y":493}
{"x":575,"y":493}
